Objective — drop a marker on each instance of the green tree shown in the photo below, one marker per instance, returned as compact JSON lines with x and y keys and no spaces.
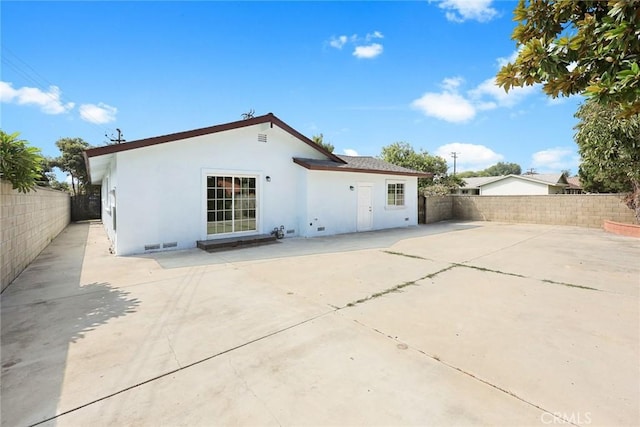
{"x":20,"y":164}
{"x":499,"y":169}
{"x":72,"y":162}
{"x":578,"y":47}
{"x":403,"y":154}
{"x":503,"y":168}
{"x":609,"y":146}
{"x":319,"y":139}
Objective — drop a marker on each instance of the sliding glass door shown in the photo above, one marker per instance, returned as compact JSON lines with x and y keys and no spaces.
{"x":231,"y":204}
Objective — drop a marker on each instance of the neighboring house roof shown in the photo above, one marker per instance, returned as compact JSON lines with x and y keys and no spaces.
{"x":359,"y":164}
{"x":556,"y":179}
{"x":574,"y":183}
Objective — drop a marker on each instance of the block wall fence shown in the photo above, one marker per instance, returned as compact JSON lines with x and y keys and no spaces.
{"x":582,"y":210}
{"x":28,"y":223}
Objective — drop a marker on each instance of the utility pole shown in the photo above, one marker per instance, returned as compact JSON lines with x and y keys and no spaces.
{"x":117,"y":140}
{"x":455,"y":157}
{"x":531,"y":171}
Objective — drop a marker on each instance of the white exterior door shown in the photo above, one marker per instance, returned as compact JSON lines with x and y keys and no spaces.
{"x":365,"y":207}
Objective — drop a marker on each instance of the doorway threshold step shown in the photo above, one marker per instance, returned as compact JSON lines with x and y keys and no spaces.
{"x":214,"y":245}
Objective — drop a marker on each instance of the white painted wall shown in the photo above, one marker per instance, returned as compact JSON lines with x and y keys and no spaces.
{"x":331,"y":203}
{"x":109,"y":199}
{"x":160,"y":189}
{"x":514,"y":187}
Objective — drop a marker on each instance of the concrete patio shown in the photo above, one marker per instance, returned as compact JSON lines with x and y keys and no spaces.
{"x":470,"y":323}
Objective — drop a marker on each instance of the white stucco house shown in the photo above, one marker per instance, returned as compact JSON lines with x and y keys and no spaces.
{"x":240,"y":179}
{"x":515,"y":185}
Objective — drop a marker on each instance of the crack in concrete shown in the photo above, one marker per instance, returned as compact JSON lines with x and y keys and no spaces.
{"x":187,"y":366}
{"x":438,"y":359}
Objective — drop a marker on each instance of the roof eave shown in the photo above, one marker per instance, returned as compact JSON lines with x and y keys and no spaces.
{"x":267,"y":118}
{"x":357,"y":170}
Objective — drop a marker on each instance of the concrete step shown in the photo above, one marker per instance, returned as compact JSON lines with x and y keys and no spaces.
{"x":214,"y":245}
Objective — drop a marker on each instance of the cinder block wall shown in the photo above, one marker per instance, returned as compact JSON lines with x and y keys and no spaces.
{"x":583,"y":210}
{"x":28,"y":223}
{"x":439,"y":208}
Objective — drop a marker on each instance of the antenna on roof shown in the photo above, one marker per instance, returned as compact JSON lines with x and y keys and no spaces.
{"x":117,"y":140}
{"x":249,"y":114}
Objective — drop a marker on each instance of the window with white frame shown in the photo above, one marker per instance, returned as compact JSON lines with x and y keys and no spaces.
{"x":395,"y":193}
{"x":231,"y":204}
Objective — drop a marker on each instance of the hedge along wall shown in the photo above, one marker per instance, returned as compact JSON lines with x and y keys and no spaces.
{"x":582,"y":210}
{"x":28,"y":223}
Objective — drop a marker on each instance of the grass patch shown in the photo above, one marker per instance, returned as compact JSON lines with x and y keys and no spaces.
{"x":397,"y":288}
{"x":405,"y":255}
{"x":489,"y":270}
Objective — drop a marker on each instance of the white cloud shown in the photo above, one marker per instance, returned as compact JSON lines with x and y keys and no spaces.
{"x":469,"y":156}
{"x":555,"y":159}
{"x":464,"y":10}
{"x":452,"y":83}
{"x":498,"y":95}
{"x":98,"y":114}
{"x":363,"y":47}
{"x":369,"y":51}
{"x":374,"y":35}
{"x":48,"y":101}
{"x":350,"y":152}
{"x":454,"y":107}
{"x":447,"y":106}
{"x":502,"y":61}
{"x":338,"y":42}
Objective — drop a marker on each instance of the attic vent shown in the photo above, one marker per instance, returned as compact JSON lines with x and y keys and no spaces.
{"x":262,"y":137}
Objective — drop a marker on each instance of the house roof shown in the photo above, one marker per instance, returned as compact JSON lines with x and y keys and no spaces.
{"x":99,"y":156}
{"x":574,"y":182}
{"x":267,"y":118}
{"x":358,"y":164}
{"x":556,"y":179}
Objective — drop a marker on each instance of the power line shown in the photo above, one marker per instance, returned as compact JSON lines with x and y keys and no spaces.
{"x":22,"y":68}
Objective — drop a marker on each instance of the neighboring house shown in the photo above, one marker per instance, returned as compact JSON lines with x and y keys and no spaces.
{"x":515,"y":185}
{"x":575,"y":186}
{"x":242,"y":178}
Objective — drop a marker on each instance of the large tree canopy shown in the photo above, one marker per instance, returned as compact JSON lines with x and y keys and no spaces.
{"x":610,"y":149}
{"x":72,"y":161}
{"x":499,"y":169}
{"x":578,"y":46}
{"x":20,"y":164}
{"x":403,"y":154}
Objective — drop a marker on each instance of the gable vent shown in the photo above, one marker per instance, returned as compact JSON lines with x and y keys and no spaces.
{"x":262,"y":137}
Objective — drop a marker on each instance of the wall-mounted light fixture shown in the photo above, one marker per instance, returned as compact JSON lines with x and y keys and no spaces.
{"x":268,"y":178}
{"x":351,"y":187}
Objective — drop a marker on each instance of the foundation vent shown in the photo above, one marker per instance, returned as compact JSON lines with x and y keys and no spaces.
{"x":320,"y":228}
{"x":151,"y":247}
{"x":262,"y":137}
{"x":170,"y":245}
{"x":291,"y":231}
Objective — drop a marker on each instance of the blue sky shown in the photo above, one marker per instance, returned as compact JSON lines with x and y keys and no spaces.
{"x":364,"y":74}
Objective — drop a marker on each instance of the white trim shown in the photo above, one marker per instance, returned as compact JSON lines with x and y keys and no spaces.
{"x":386,"y":194}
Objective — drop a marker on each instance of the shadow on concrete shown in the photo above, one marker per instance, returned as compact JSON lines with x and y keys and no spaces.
{"x":44,"y":311}
{"x":300,"y":246}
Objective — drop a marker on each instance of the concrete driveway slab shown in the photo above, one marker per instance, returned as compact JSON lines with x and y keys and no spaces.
{"x":565,"y":349}
{"x":329,"y":371}
{"x":453,"y":323}
{"x":339,"y":280}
